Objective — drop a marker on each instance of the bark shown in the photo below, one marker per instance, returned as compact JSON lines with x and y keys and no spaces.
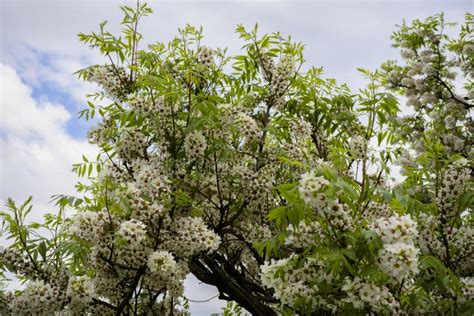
{"x":232,"y":285}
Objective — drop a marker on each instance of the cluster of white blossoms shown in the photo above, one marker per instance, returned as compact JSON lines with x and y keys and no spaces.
{"x":364,"y":295}
{"x":295,"y":151}
{"x":88,"y":225}
{"x":255,"y":233}
{"x":432,"y":233}
{"x":150,"y":178}
{"x":205,"y":56}
{"x":5,"y":303}
{"x":16,"y":259}
{"x":377,"y":210}
{"x":164,"y":110}
{"x":132,"y":144}
{"x":38,"y":298}
{"x":338,"y":215}
{"x":297,"y":146}
{"x":399,"y":260}
{"x":102,"y":133}
{"x":247,"y":126}
{"x":277,"y":75}
{"x":454,"y":183}
{"x":260,"y":185}
{"x":161,"y":261}
{"x":142,"y":209}
{"x":166,"y":273}
{"x":453,"y":142}
{"x":300,"y":129}
{"x":195,"y":145}
{"x":428,"y":81}
{"x":133,"y":232}
{"x":399,"y":256}
{"x":142,"y":105}
{"x":227,"y":115}
{"x":281,"y":74}
{"x":467,"y":288}
{"x":303,"y":235}
{"x":80,"y":291}
{"x":109,"y":77}
{"x":266,"y":65}
{"x":358,"y":147}
{"x":395,"y":229}
{"x":427,"y":237}
{"x":295,"y":284}
{"x":310,"y":189}
{"x":190,"y":236}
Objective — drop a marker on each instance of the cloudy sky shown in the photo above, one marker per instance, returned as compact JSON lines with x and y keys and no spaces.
{"x":40,"y":135}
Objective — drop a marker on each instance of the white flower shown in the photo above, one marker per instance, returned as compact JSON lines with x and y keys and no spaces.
{"x":399,"y":260}
{"x":161,"y":261}
{"x":80,"y":290}
{"x":205,"y":56}
{"x":88,"y":225}
{"x":408,"y":82}
{"x":133,"y":231}
{"x":450,"y":122}
{"x":195,"y":145}
{"x":310,"y":188}
{"x":247,"y":126}
{"x":191,"y":236}
{"x":302,"y":235}
{"x":359,"y":147}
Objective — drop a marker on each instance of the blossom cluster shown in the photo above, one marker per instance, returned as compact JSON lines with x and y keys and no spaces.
{"x":281,"y":73}
{"x":310,"y":189}
{"x":358,"y":147}
{"x":109,"y":77}
{"x":399,"y":256}
{"x":161,"y":261}
{"x":247,"y":126}
{"x":38,"y":298}
{"x":454,"y":183}
{"x":166,"y":272}
{"x":132,"y":231}
{"x":88,"y":225}
{"x":102,"y":133}
{"x":295,"y":285}
{"x":362,"y":295}
{"x":81,"y":292}
{"x":190,"y":236}
{"x":195,"y":145}
{"x":303,"y":235}
{"x":205,"y":56}
{"x":132,"y":144}
{"x":16,"y":259}
{"x":143,"y":105}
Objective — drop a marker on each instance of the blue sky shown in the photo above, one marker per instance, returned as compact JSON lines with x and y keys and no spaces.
{"x":40,"y":135}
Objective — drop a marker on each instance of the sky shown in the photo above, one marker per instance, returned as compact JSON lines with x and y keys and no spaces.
{"x":40,"y":134}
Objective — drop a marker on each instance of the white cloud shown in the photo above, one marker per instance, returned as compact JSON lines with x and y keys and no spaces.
{"x":39,"y":68}
{"x":36,"y":152}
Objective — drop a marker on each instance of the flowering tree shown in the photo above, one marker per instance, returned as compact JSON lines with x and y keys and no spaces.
{"x":265,"y":181}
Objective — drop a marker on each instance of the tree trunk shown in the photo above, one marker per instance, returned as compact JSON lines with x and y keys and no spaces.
{"x":232,"y":285}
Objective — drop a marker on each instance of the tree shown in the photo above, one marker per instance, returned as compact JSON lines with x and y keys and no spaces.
{"x":268,"y":182}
